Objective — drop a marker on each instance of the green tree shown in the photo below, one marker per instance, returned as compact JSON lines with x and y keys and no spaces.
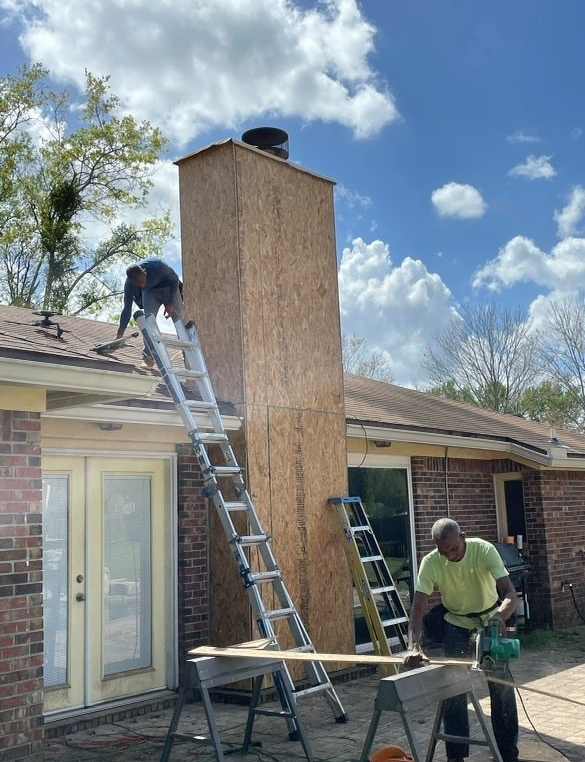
{"x":488,"y":355}
{"x":58,"y":182}
{"x":550,"y":403}
{"x":449,"y":391}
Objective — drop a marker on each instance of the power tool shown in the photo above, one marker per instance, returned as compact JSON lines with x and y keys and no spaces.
{"x":491,"y":648}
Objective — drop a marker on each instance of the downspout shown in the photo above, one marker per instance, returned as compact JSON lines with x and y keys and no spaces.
{"x":447,"y":505}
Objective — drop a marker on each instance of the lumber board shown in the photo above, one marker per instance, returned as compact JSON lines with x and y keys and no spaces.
{"x":305,"y":656}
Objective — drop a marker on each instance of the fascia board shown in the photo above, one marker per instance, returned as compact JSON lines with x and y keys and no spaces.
{"x":141,"y":416}
{"x":77,"y":379}
{"x":470,"y":443}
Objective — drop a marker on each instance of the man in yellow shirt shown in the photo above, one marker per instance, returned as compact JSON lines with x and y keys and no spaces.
{"x":476,"y":590}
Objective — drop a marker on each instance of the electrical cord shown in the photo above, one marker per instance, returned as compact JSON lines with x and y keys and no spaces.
{"x":538,"y":735}
{"x":575,"y":601}
{"x":512,"y":684}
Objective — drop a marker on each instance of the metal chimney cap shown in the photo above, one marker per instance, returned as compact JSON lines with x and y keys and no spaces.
{"x":270,"y":139}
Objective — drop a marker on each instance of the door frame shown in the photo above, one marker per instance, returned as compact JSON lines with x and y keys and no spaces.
{"x":170,"y":603}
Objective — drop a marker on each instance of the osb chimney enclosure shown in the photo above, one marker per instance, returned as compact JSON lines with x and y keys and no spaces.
{"x":260,"y":272}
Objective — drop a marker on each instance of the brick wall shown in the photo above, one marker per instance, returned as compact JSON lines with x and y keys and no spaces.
{"x":465,"y":492}
{"x":193,"y":552}
{"x":555,"y":503}
{"x":21,"y":613}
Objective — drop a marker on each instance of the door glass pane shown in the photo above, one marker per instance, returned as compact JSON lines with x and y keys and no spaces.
{"x":384,"y":494}
{"x":127,"y":600}
{"x":55,"y":576}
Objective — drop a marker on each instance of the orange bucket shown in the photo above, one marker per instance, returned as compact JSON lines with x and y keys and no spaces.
{"x":391,"y":754}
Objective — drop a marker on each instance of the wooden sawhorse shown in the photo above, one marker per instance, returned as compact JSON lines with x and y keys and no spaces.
{"x":210,"y":672}
{"x":417,"y":689}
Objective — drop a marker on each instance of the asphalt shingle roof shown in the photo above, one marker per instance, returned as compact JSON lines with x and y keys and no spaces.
{"x":70,"y":340}
{"x":376,"y":403}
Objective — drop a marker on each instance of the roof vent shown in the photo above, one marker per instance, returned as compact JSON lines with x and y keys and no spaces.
{"x":46,"y":322}
{"x":269,"y":139}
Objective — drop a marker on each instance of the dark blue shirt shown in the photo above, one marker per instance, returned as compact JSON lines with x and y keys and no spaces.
{"x":158,"y":275}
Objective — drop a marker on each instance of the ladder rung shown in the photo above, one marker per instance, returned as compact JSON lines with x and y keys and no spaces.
{"x":392,"y":622}
{"x":189,"y":373}
{"x":236,"y":506}
{"x":226,"y":470}
{"x":199,"y":404}
{"x":386,"y":589}
{"x":170,"y":341}
{"x":279,"y":614}
{"x":364,"y":528}
{"x":211,"y":437}
{"x":369,"y":559}
{"x":266,"y":576}
{"x":252,"y":539}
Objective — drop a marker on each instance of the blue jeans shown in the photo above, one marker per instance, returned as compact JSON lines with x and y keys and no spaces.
{"x":153,"y":299}
{"x":502,"y":698}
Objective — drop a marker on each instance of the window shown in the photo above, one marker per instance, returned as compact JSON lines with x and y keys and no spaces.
{"x":385,"y":494}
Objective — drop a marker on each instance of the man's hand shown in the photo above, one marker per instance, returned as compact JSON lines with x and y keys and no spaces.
{"x":414,"y":658}
{"x":170,"y":309}
{"x":502,"y":629}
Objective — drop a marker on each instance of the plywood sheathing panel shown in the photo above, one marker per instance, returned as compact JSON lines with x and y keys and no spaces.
{"x":307,"y":465}
{"x":230,"y":616}
{"x":284,"y":312}
{"x":209,"y":241}
{"x":290,"y":308}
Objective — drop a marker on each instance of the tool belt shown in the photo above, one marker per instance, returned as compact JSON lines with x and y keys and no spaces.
{"x":479,"y":614}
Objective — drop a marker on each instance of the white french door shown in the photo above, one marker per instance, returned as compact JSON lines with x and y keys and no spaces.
{"x":105,"y":526}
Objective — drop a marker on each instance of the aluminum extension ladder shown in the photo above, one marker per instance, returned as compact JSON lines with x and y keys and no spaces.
{"x":381,"y":604}
{"x":224,"y":485}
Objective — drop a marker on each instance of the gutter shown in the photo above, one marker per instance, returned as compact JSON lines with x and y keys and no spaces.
{"x":78,"y":379}
{"x":145,"y":416}
{"x":555,"y":458}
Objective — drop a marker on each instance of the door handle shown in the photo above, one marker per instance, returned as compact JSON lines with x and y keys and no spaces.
{"x":80,"y":597}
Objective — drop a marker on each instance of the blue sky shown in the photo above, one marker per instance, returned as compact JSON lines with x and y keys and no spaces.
{"x":455,"y":130}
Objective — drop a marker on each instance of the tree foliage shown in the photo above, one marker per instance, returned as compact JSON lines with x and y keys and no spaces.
{"x":64,"y":192}
{"x":563,"y":354}
{"x":549,"y":403}
{"x":488,"y":355}
{"x":359,"y":359}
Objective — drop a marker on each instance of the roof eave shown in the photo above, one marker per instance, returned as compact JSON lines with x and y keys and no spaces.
{"x":137,"y":415}
{"x":77,"y":379}
{"x":442,"y":439}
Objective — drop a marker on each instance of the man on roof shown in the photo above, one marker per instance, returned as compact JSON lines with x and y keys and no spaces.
{"x":151,"y":284}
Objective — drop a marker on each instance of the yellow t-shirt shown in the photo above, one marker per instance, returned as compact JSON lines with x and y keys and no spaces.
{"x":467,"y":586}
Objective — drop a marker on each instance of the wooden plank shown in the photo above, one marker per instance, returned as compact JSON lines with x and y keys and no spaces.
{"x":371,"y":659}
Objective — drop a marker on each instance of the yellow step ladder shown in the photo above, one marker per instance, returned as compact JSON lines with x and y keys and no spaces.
{"x":382,"y":607}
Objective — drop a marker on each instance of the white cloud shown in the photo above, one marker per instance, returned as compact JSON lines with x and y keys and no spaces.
{"x":521,"y":261}
{"x":534,"y":168}
{"x":522,"y":137}
{"x":458,"y":200}
{"x":569,"y":218}
{"x":189,"y":66}
{"x":395,"y":308}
